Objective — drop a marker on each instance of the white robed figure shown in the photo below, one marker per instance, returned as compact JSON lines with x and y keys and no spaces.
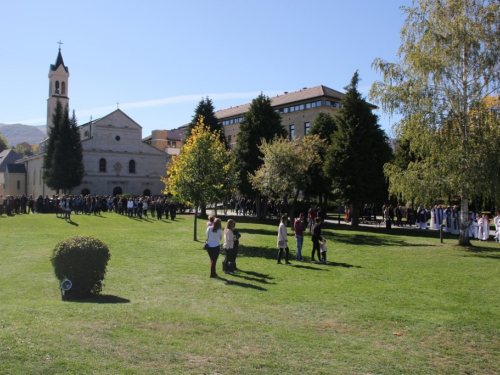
{"x":496,"y":220}
{"x":433,"y":217}
{"x":439,"y":216}
{"x":422,"y":218}
{"x":480,"y":228}
{"x":447,"y":220}
{"x":486,"y":228}
{"x":455,"y":221}
{"x":472,"y":226}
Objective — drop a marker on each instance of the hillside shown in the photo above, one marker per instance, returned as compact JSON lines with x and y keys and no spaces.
{"x":18,"y":133}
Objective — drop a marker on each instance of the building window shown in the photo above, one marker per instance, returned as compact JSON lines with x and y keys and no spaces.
{"x":307,"y":127}
{"x":40,"y":177}
{"x":285,"y":110}
{"x":292,"y":131}
{"x":131,"y":166}
{"x":57,"y":87}
{"x":174,"y":144}
{"x":117,"y":137}
{"x":18,"y":185}
{"x":229,"y":139}
{"x":63,"y":88}
{"x":102,"y":165}
{"x":34,"y":177}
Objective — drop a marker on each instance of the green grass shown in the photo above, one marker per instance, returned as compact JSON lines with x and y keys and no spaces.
{"x":394,"y":302}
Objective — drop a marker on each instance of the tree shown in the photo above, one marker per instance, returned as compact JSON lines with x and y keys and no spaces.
{"x":449,"y":62}
{"x":285,"y":168}
{"x":203,"y":171}
{"x":261,"y":122}
{"x":318,"y":183}
{"x":206,"y":109}
{"x":358,"y":153}
{"x":4,"y":145}
{"x":63,"y":167}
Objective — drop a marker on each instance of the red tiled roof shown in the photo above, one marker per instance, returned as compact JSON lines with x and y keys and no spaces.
{"x":288,"y":98}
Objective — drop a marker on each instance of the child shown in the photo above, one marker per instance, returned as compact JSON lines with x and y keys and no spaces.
{"x":211,"y":220}
{"x":323,"y":251}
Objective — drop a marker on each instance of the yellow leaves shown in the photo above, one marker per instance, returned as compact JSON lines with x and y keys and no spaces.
{"x":203,"y":170}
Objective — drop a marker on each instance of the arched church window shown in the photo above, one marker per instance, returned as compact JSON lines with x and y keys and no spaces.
{"x":34,"y":177}
{"x":63,"y":88}
{"x":102,"y":165}
{"x":57,"y":87}
{"x":131,"y":166}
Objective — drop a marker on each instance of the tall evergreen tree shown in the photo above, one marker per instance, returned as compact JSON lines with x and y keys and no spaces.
{"x":260,"y":122}
{"x":206,"y":110}
{"x":63,"y":160}
{"x":358,"y":152}
{"x":319,"y":184}
{"x":4,"y":145}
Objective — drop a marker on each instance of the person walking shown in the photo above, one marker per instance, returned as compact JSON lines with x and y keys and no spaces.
{"x":227,"y":264}
{"x":282,"y":241}
{"x":316,"y":239}
{"x":299,"y":227}
{"x":214,"y":236}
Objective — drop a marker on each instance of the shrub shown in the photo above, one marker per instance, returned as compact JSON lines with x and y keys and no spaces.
{"x":82,"y":260}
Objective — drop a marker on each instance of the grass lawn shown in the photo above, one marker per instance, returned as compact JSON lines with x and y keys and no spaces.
{"x":395,"y":302}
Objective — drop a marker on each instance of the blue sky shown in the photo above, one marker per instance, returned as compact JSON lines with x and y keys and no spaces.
{"x":159,"y":58}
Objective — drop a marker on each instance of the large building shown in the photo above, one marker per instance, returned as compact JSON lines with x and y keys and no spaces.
{"x":115,"y":158}
{"x":298,"y":110}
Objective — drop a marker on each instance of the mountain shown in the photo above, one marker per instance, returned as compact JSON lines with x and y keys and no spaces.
{"x":18,"y":133}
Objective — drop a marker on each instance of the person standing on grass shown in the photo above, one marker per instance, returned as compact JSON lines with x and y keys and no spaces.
{"x":227,"y":264}
{"x":214,"y":236}
{"x":282,"y":241}
{"x":299,"y":227}
{"x":316,"y":239}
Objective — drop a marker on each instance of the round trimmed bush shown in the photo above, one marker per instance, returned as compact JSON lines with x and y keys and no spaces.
{"x":82,"y":260}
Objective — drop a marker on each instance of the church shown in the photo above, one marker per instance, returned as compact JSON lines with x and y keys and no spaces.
{"x":116,"y":159}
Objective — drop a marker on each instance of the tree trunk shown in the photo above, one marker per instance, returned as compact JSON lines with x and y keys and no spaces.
{"x":203,"y":209}
{"x":258,"y":206}
{"x":355,"y":216}
{"x":463,"y":239}
{"x":195,"y":228}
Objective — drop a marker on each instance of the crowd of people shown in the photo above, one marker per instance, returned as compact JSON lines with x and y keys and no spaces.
{"x":63,"y":206}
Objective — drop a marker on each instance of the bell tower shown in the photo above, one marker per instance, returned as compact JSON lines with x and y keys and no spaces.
{"x":58,"y":87}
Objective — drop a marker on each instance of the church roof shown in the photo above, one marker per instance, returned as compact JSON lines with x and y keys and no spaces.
{"x":59,"y":61}
{"x":16,"y":168}
{"x":6,"y":157}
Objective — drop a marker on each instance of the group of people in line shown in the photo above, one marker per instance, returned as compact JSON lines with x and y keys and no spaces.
{"x":63,"y":206}
{"x":450,"y":217}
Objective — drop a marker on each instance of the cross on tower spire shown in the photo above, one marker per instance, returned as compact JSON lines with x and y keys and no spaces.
{"x":60,"y":44}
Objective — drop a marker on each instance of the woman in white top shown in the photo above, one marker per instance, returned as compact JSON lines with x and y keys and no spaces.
{"x":282,"y":242}
{"x":228,"y":246}
{"x":214,"y":236}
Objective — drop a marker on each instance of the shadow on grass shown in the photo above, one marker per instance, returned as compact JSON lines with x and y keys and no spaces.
{"x":257,"y":252}
{"x":72,"y":222}
{"x":386,"y":241}
{"x":336,"y":264}
{"x":243,"y":285}
{"x":104,"y":298}
{"x":295,"y":265}
{"x":264,"y":232}
{"x":482,"y":251}
{"x":254,"y":276}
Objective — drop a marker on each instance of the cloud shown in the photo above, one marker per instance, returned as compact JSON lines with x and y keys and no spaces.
{"x":192,"y":98}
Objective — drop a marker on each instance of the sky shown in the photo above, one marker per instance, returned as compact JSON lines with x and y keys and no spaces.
{"x":158,"y":58}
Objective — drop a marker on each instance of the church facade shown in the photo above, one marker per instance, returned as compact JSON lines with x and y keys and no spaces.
{"x":116,"y":159}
